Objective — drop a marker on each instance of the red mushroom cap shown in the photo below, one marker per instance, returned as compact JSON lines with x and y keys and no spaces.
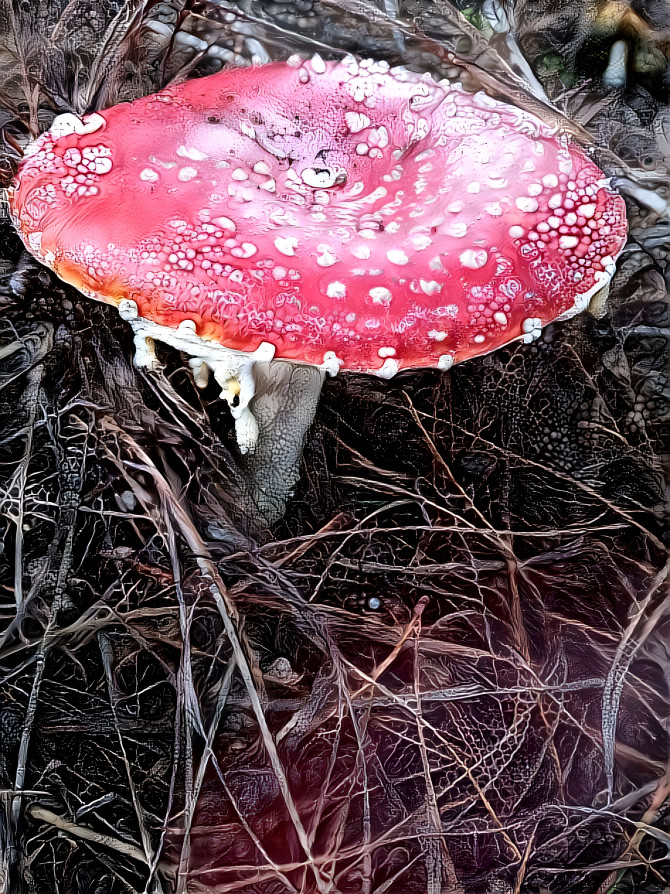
{"x":326,"y":208}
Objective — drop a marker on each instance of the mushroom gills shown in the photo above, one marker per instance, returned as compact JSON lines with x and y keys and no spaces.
{"x":233,"y":370}
{"x":273,"y":402}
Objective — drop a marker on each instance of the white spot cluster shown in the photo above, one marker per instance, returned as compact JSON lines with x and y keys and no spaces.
{"x":380,"y":295}
{"x":447,"y":195}
{"x":286,"y":245}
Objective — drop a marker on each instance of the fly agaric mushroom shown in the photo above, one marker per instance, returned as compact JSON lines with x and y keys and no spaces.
{"x":342,"y":215}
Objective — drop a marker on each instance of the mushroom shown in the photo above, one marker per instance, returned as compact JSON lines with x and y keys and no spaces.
{"x":343,"y":215}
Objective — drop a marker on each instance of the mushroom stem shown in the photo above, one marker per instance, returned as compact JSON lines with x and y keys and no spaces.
{"x":284,"y":406}
{"x":614,"y":77}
